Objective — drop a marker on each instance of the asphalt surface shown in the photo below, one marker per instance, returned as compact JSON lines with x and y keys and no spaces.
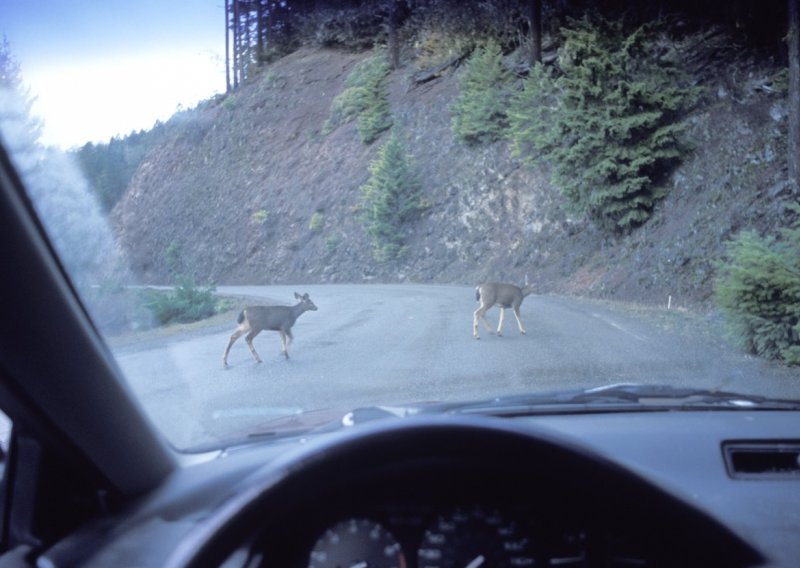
{"x":396,"y":344}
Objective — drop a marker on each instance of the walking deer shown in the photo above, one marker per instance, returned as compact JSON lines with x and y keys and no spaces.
{"x":498,"y":294}
{"x":254,"y":319}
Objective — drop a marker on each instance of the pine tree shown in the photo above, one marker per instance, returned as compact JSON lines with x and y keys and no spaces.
{"x":366,"y":97}
{"x":759,"y":291}
{"x":68,"y":210}
{"x":390,"y":199}
{"x":21,"y":128}
{"x":479,"y":112}
{"x":609,"y":124}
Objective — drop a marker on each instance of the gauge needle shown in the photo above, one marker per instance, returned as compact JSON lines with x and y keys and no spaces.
{"x":476,"y":562}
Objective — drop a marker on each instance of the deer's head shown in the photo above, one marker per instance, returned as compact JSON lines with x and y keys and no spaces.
{"x":305,"y":301}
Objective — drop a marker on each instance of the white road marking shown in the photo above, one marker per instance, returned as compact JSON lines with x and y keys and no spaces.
{"x":615,"y":325}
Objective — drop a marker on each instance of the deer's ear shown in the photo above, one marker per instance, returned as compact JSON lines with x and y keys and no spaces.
{"x":298,"y":296}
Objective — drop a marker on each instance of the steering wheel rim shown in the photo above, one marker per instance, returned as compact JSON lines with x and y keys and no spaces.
{"x":321,"y":465}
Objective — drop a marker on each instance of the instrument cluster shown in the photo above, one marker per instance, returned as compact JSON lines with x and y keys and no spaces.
{"x":470,"y":536}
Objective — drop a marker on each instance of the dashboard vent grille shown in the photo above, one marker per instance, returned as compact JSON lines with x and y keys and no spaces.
{"x":763,"y":460}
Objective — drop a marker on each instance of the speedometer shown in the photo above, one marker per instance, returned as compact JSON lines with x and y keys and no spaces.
{"x":357,"y":543}
{"x":474,"y":538}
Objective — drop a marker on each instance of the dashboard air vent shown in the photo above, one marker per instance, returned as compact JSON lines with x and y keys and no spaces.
{"x":763,"y":459}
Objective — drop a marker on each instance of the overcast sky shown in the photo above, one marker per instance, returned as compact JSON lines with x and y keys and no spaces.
{"x":104,"y":68}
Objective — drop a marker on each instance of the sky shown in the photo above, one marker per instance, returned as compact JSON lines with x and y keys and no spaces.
{"x":105,"y":68}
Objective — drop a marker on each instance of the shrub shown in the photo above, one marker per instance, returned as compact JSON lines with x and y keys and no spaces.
{"x":356,"y":28}
{"x":184,"y":303}
{"x":229,"y":103}
{"x":316,"y":222}
{"x":259,"y":217}
{"x":331,"y":243}
{"x":434,"y":48}
{"x":758,"y":288}
{"x":609,"y":125}
{"x":442,"y":30}
{"x":366,"y":98}
{"x":479,"y":112}
{"x":390,"y":199}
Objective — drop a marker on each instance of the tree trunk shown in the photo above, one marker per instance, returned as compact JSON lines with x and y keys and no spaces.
{"x":394,"y":42}
{"x":794,"y":96}
{"x":535,"y":22}
{"x":229,"y":87}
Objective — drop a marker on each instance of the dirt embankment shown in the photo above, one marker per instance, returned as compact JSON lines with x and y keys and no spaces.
{"x":250,"y":191}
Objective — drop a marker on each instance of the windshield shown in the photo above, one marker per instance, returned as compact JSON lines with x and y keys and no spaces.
{"x":283,"y":216}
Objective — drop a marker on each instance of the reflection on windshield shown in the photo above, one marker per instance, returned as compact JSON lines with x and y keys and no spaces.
{"x":69,"y":210}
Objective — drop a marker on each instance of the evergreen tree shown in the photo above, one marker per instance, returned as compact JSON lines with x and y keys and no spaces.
{"x":21,"y":129}
{"x":759,"y":291}
{"x":479,"y":112}
{"x":366,"y":97}
{"x":609,"y":124}
{"x":109,"y":167}
{"x":68,"y":210}
{"x":793,"y":99}
{"x":10,"y":75}
{"x":390,"y":199}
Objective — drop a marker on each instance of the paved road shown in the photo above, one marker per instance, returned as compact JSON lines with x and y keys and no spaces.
{"x":391,"y":344}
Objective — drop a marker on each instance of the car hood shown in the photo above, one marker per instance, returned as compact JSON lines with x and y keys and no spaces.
{"x":619,"y":397}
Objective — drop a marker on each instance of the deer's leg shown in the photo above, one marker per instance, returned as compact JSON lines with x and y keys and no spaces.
{"x":236,"y":335}
{"x":480,"y":314}
{"x":284,"y":343}
{"x":249,"y":339}
{"x":519,"y":320}
{"x":500,"y":323}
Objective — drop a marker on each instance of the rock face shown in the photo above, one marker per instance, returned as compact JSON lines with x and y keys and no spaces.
{"x":248,"y":189}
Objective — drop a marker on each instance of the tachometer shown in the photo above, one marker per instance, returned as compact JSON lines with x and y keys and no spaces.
{"x":474,"y":538}
{"x":357,"y":543}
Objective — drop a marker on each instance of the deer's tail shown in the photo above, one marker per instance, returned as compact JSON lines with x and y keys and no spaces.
{"x":240,"y":319}
{"x":477,"y":293}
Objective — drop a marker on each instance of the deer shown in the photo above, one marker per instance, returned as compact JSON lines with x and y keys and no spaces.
{"x":503,"y":295}
{"x":254,"y":319}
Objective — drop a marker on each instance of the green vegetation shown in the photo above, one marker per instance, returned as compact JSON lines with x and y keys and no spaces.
{"x":259,"y":217}
{"x":444,"y":34}
{"x":331,"y":243}
{"x":109,"y":167}
{"x":436,"y":47}
{"x":185,"y":301}
{"x":759,"y":291}
{"x":390,"y":199}
{"x":316,"y":222}
{"x":480,"y":110}
{"x":366,"y":98}
{"x":609,"y":124}
{"x":229,"y":103}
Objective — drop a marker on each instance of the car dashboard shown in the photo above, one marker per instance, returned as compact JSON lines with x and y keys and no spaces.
{"x":592,"y":489}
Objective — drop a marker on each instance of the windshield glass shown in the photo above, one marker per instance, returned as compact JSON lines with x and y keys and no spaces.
{"x":282,"y":215}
